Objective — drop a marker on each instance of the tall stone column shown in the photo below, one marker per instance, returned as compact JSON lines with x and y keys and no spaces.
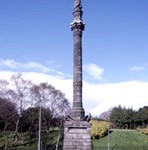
{"x":76,"y":127}
{"x":77,"y":26}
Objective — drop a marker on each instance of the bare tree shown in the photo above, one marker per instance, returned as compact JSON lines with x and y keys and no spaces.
{"x":20,"y":94}
{"x":23,"y":93}
{"x":4,"y":89}
{"x":21,"y":88}
{"x":62,"y":104}
{"x":45,"y":95}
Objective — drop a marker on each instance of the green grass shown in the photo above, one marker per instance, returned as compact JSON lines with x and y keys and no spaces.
{"x":123,"y":139}
{"x":119,"y":140}
{"x":25,"y":142}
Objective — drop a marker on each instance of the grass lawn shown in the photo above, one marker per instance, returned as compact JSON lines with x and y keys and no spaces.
{"x":119,"y":140}
{"x":27,"y":143}
{"x":124,"y":139}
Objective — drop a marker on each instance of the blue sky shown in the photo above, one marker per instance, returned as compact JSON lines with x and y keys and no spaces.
{"x":35,"y":36}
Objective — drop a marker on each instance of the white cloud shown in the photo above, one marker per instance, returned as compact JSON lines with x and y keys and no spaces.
{"x":59,"y":81}
{"x":35,"y":65}
{"x":137,"y":68}
{"x":94,"y":71}
{"x":97,"y":98}
{"x":27,"y":66}
{"x":9,"y":63}
{"x":104,"y":96}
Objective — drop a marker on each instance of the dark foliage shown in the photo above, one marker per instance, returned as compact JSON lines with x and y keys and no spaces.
{"x":128,"y":118}
{"x":141,"y":117}
{"x":8,"y":114}
{"x":30,"y":118}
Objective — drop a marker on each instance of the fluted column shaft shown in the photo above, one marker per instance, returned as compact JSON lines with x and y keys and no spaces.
{"x":77,"y":27}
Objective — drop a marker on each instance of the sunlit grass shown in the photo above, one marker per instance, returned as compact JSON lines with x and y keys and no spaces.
{"x":122,"y":138}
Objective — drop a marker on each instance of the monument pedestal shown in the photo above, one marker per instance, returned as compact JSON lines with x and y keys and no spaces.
{"x":77,"y":135}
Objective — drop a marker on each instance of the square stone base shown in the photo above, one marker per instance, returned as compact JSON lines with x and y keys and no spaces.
{"x":77,"y":135}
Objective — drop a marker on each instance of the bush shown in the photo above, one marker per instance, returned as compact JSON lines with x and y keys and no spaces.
{"x":99,"y":128}
{"x":143,"y":130}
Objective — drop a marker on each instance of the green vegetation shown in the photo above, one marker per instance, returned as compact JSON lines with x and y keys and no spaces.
{"x":119,"y":140}
{"x":25,"y":142}
{"x":28,"y":109}
{"x":143,"y":130}
{"x":127,"y":118}
{"x":19,"y":125}
{"x":99,"y":128}
{"x":124,"y":139}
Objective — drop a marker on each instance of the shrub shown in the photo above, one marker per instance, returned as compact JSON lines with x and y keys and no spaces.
{"x":143,"y":130}
{"x":99,"y":128}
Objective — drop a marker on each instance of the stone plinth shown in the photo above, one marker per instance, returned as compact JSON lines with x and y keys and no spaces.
{"x":77,"y":135}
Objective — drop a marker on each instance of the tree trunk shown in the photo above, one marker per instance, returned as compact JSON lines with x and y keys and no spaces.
{"x":5,"y":127}
{"x":59,"y":136}
{"x":7,"y":137}
{"x":16,"y":136}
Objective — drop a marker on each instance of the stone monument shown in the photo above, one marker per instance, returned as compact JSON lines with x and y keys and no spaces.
{"x":77,"y":128}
